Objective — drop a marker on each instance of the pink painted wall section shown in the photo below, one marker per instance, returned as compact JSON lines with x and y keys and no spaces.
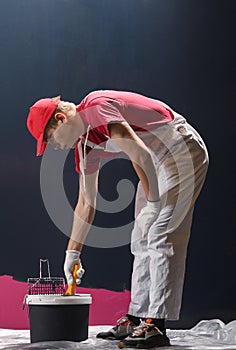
{"x":106,"y":308}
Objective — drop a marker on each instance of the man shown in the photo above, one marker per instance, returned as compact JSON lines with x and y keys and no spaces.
{"x":171,"y":161}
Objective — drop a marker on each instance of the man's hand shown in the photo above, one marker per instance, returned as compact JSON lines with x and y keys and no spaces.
{"x":73,"y":258}
{"x":148,"y":216}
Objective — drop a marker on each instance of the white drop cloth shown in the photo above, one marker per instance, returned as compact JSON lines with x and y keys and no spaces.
{"x":206,"y":335}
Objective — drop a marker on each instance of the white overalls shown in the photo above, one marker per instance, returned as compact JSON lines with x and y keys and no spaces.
{"x":181,"y":160}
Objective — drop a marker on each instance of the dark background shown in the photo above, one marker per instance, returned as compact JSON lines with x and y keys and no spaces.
{"x":180,"y":51}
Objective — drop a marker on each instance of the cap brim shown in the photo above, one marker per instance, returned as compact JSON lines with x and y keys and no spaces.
{"x":41,"y":146}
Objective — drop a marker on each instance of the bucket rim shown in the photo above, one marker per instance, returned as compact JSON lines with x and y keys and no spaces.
{"x":77,"y":299}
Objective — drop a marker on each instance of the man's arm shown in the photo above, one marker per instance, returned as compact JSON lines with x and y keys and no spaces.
{"x":84,"y":211}
{"x":139,"y":154}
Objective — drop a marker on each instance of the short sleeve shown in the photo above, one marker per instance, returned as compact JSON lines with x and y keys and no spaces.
{"x":100,"y":115}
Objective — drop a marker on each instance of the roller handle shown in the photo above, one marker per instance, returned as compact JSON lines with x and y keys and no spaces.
{"x":71,"y":290}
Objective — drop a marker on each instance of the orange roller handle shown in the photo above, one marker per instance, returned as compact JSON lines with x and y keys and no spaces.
{"x":71,"y":290}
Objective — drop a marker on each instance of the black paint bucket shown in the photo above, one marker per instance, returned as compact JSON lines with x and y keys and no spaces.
{"x":54,"y":317}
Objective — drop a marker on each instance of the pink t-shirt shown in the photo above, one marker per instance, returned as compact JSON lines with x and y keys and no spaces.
{"x":100,"y":108}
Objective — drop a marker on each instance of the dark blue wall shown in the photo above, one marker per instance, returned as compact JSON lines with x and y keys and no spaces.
{"x":181,"y":51}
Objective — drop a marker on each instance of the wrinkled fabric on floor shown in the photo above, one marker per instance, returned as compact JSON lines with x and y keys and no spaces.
{"x":206,"y":335}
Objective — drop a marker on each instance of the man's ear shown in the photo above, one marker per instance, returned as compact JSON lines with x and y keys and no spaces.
{"x":61,"y":117}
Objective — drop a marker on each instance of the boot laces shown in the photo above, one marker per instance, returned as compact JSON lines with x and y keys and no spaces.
{"x":143,"y":326}
{"x":122,"y":320}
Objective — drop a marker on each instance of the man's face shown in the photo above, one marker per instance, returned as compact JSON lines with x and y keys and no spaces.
{"x":49,"y":133}
{"x":67,"y":132}
{"x":64,"y":136}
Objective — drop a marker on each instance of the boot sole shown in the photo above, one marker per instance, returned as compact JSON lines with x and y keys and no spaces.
{"x":113,"y":338}
{"x":121,"y":345}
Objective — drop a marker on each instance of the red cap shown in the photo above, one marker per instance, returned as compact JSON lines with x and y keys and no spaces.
{"x":38,"y":117}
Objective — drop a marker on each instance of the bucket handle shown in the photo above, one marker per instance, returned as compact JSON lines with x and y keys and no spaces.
{"x":41,"y":261}
{"x":41,"y":265}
